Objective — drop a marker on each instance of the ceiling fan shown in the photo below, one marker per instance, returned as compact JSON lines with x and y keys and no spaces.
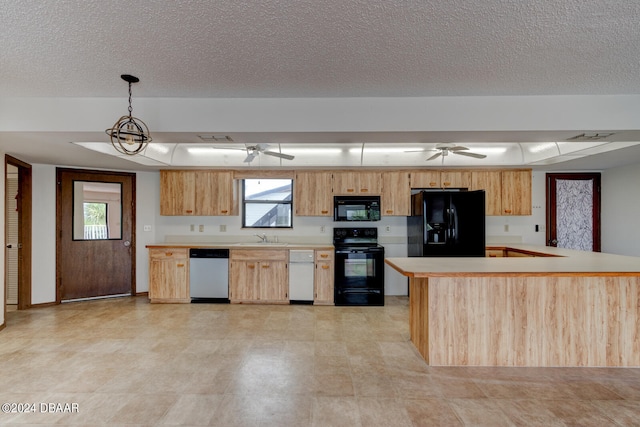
{"x":444,"y":150}
{"x":254,"y":151}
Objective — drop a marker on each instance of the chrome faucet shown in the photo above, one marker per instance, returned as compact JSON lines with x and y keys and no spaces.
{"x":263,"y":238}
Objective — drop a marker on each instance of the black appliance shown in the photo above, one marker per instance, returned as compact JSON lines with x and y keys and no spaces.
{"x":359,"y":267}
{"x":356,"y":208}
{"x":447,"y":224}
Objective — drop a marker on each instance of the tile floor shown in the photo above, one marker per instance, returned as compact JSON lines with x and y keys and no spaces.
{"x":126,"y":362}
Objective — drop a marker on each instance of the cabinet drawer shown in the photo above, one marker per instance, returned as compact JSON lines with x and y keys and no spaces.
{"x":258,"y":255}
{"x":169,"y":253}
{"x":324,"y":255}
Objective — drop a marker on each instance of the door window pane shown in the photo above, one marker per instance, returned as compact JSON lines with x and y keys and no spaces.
{"x":97,"y":210}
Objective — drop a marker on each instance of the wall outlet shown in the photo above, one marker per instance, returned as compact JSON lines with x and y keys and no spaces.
{"x":506,"y":228}
{"x":147,"y":228}
{"x":322,"y":228}
{"x":201,"y":228}
{"x":192,"y":227}
{"x":223,"y":228}
{"x":387,"y":229}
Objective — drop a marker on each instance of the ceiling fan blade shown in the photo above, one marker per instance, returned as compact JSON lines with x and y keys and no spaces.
{"x":435,"y":156}
{"x":215,"y":147}
{"x":250,"y":157}
{"x":475,"y":155}
{"x":280,"y":155}
{"x":457,"y":148}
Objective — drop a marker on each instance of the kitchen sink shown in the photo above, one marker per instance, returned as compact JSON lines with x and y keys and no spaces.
{"x":261,"y":244}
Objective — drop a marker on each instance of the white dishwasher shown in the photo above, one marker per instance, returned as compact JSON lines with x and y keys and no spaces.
{"x":301,"y":269}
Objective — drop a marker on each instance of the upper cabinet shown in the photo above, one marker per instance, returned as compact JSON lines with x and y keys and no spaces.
{"x":201,"y":192}
{"x":516,"y":192}
{"x":359,"y":182}
{"x":312,"y":193}
{"x":508,"y":192}
{"x":425,"y":179}
{"x":396,"y":193}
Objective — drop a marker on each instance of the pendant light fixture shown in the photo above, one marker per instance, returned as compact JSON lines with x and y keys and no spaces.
{"x":129,"y":135}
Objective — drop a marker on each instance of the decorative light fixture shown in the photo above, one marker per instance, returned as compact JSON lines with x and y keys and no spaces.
{"x":129,"y":135}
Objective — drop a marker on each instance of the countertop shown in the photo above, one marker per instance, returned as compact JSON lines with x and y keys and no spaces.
{"x":231,"y":245}
{"x":563,"y":262}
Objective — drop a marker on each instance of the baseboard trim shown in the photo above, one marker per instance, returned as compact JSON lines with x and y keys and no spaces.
{"x":43,"y":304}
{"x":142,"y":294}
{"x":2,"y":326}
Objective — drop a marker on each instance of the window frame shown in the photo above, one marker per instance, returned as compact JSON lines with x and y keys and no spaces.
{"x":246,"y":202}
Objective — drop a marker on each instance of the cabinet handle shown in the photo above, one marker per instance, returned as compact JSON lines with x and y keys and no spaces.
{"x":179,"y":265}
{"x":265,"y":265}
{"x":189,"y":211}
{"x":350,"y":190}
{"x":507,"y":211}
{"x":168,"y":253}
{"x":251,"y":266}
{"x":389,"y":211}
{"x":432,"y":184}
{"x":446,"y":184}
{"x":324,"y":255}
{"x":364,"y":190}
{"x":325,"y":267}
{"x":224,"y":211}
{"x":324,"y":211}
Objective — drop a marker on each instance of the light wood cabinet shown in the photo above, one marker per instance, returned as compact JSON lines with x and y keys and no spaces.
{"x":323,"y":278}
{"x":455,"y":179}
{"x":169,"y":275}
{"x":396,"y":194}
{"x":177,"y":192}
{"x":495,"y":253}
{"x":491,"y":183}
{"x":202,"y":193}
{"x":358,"y":182}
{"x":425,"y":179}
{"x":258,"y":276}
{"x":516,"y":192}
{"x":313,"y":193}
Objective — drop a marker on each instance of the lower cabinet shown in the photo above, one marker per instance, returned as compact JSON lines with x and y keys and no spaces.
{"x":323,"y":278}
{"x":169,"y":275}
{"x":258,"y":276}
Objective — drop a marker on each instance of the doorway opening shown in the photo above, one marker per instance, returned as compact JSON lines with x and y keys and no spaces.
{"x":17,"y":253}
{"x":573,"y":211}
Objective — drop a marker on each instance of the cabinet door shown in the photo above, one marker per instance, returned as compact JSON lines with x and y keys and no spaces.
{"x":244,"y":277}
{"x":491,"y":183}
{"x":345,"y":183}
{"x":425,"y":179}
{"x":214,"y":195}
{"x":312,"y":194}
{"x":516,"y":192}
{"x":324,"y":277}
{"x":369,"y":183}
{"x":177,"y":192}
{"x":274,"y":281}
{"x":455,"y":179}
{"x":168,"y":275}
{"x":396,"y":193}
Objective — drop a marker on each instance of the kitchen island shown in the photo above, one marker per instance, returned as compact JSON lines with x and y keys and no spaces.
{"x":567,"y":308}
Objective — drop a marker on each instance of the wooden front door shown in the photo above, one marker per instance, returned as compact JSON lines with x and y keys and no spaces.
{"x":573,"y":211}
{"x":95,"y":236}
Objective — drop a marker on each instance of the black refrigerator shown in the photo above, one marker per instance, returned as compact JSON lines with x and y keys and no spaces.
{"x":447,"y":224}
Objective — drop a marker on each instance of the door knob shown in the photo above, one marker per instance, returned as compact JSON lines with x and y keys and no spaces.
{"x":126,"y":243}
{"x":554,"y":242}
{"x":9,"y":246}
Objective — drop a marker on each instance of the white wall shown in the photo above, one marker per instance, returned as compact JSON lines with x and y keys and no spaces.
{"x":43,"y":253}
{"x":621,"y":210}
{"x":2,"y":271}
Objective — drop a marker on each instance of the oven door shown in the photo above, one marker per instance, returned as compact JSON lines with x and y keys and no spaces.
{"x":359,"y":276}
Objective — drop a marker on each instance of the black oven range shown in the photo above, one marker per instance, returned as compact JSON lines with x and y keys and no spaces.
{"x":359,"y":268}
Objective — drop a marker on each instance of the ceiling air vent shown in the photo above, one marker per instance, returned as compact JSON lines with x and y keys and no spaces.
{"x":215,"y":138}
{"x":590,"y":136}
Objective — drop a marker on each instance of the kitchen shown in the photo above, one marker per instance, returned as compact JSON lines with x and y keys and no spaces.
{"x":391,"y":84}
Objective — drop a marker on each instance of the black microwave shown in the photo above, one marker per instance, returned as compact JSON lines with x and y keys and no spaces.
{"x":356,"y":208}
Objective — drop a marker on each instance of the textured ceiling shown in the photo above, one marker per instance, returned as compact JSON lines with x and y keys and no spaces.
{"x":307,"y":49}
{"x":310,"y":48}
